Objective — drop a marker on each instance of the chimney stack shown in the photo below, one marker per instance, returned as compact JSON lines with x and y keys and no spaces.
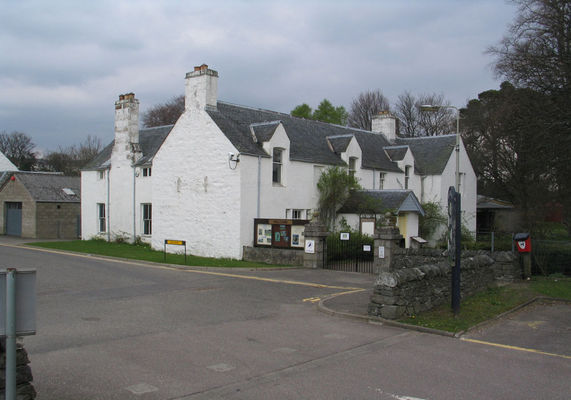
{"x":385,"y":123}
{"x":127,"y":120}
{"x":201,"y":88}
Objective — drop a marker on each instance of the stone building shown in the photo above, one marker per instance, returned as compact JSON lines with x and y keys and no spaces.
{"x":40,"y":205}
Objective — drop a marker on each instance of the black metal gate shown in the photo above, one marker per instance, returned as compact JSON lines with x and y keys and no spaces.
{"x":350,"y":252}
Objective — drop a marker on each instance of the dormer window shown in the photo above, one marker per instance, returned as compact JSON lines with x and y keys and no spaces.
{"x":352,"y":165}
{"x":277,"y":157}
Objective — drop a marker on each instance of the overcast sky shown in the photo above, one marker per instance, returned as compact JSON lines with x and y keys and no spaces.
{"x":64,"y":63}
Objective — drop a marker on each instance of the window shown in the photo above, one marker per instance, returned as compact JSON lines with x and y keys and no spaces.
{"x":288,"y":213}
{"x":382,"y":177}
{"x":297,"y":214}
{"x":277,"y":166}
{"x":308,"y":214}
{"x":101,"y":217}
{"x":147,"y":219}
{"x":147,"y":171}
{"x":406,"y":176}
{"x":100,"y":175}
{"x":352,"y":165}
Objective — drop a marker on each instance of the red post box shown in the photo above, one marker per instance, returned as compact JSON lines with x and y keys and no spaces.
{"x":523,"y":242}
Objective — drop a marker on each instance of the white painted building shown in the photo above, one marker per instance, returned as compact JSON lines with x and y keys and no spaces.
{"x":6,"y":164}
{"x":207,"y":177}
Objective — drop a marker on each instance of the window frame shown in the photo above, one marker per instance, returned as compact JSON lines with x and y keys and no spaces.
{"x":101,"y":218}
{"x":382,"y":177}
{"x":277,"y":166}
{"x":146,"y":172}
{"x":146,"y":219}
{"x":406,"y":176}
{"x":353,"y":165}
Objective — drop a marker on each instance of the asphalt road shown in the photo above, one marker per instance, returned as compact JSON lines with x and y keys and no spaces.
{"x":128,"y":330}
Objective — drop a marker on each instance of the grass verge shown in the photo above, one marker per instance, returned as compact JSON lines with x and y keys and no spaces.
{"x":490,"y":303}
{"x":145,"y":253}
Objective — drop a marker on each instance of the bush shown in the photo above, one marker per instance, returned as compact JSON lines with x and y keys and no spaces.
{"x":551,"y":257}
{"x":338,"y":249}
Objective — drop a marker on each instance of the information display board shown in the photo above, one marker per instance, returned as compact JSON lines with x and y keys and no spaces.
{"x":282,"y":233}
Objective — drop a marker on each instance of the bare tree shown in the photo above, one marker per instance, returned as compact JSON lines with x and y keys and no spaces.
{"x":19,"y":149}
{"x":365,"y":106}
{"x":70,"y":160}
{"x":414,"y":122}
{"x":407,"y":112}
{"x":164,"y":114}
{"x":536,"y":53}
{"x":438,"y":122}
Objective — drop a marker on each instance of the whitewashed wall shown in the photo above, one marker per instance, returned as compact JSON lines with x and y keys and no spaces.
{"x":196,"y":196}
{"x":143,"y":194}
{"x":93,"y":191}
{"x":5,"y":164}
{"x":436,"y":188}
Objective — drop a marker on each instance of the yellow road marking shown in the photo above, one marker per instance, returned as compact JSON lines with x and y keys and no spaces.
{"x":312,"y":299}
{"x":505,"y":346}
{"x":165,"y":267}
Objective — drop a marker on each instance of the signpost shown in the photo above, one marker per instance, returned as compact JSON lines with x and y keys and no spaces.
{"x":454,"y":245}
{"x":17,"y":317}
{"x":175,"y":243}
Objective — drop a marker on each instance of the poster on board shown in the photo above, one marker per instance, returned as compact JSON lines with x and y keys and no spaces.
{"x":264,"y":235}
{"x":297,"y":236}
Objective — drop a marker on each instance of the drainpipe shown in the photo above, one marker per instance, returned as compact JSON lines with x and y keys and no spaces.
{"x":134,"y":204}
{"x":259,"y":186}
{"x":108,"y":205}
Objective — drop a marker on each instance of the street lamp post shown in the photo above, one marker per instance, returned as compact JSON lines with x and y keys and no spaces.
{"x":431,"y":107}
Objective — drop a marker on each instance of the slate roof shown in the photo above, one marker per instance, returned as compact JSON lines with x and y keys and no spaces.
{"x":263,"y":131}
{"x":150,"y":140}
{"x":48,"y":186}
{"x":396,"y":153}
{"x":431,"y":153}
{"x":310,"y":141}
{"x":381,"y":201}
{"x":489,"y":203}
{"x":339,"y":144}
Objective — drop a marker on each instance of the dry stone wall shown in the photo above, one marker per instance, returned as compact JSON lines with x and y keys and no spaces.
{"x":421,"y":280}
{"x":24,"y":388}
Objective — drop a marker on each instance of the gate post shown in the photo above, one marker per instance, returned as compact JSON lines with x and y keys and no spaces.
{"x":317,"y":232}
{"x":386,"y":241}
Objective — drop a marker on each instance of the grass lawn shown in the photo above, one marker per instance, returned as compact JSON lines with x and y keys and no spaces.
{"x":490,"y":303}
{"x":145,"y":253}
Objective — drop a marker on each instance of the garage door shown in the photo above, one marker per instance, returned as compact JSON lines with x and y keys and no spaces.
{"x":14,"y":218}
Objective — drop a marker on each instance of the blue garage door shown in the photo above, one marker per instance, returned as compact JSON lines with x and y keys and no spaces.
{"x":14,"y":218}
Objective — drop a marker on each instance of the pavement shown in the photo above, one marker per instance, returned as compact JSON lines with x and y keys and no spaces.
{"x":542,"y":325}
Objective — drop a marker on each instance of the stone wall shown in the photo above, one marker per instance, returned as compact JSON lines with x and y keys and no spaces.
{"x":273,"y":255}
{"x":24,"y":388}
{"x":421,"y":279}
{"x":57,"y":220}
